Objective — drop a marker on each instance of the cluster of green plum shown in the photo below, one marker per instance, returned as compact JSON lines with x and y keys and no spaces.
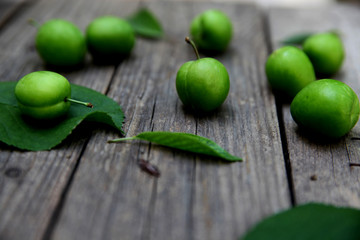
{"x":326,"y":106}
{"x":60,"y":43}
{"x":202,"y":84}
{"x":46,"y":94}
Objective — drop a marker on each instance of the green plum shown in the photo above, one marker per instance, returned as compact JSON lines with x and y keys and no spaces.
{"x":202,"y":84}
{"x":211,"y":30}
{"x":289,"y":70}
{"x":110,"y":38}
{"x":44,"y":95}
{"x":326,"y":52}
{"x":328,"y":107}
{"x":60,"y":43}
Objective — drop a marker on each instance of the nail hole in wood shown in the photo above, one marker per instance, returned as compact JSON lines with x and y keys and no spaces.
{"x":13,"y":172}
{"x":149,"y":168}
{"x":313,"y":177}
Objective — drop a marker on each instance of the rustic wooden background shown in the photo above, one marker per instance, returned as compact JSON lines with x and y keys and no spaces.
{"x":86,"y":188}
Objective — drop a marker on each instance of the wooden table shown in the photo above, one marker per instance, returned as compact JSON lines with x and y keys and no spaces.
{"x":88,"y":189}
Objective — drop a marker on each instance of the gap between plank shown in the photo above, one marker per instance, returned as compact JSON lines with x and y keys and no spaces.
{"x":60,"y":205}
{"x":190,"y":221}
{"x":146,"y":229}
{"x":279,"y":113}
{"x":285,"y":148}
{"x":116,"y":67}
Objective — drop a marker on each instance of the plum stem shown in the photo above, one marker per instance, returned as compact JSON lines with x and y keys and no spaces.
{"x":34,"y":23}
{"x":87,"y":104}
{"x":188,"y":40}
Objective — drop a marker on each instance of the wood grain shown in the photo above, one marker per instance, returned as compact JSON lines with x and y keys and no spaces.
{"x":196,"y":197}
{"x":8,"y":10}
{"x":320,"y":169}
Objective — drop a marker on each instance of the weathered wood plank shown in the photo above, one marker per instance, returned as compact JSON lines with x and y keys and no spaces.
{"x":32,"y":183}
{"x":196,"y":197}
{"x":7,"y":10}
{"x":320,"y":170}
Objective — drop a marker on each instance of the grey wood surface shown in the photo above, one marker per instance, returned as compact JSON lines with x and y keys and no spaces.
{"x":86,"y":188}
{"x":194,"y":194}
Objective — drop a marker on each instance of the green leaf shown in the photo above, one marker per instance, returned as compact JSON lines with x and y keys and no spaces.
{"x":145,"y":24}
{"x":308,"y":222}
{"x":296,"y":39}
{"x":28,"y":134}
{"x":299,"y":38}
{"x":184,"y":141}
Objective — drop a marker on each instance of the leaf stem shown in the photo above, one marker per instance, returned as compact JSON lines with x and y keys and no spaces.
{"x":121,"y":139}
{"x":34,"y":23}
{"x":191,"y":42}
{"x":87,"y":104}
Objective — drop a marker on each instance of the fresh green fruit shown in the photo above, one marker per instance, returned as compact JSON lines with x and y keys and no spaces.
{"x":211,"y":30}
{"x":326,"y":53}
{"x":289,"y":70}
{"x":202,"y":84}
{"x":44,"y":95}
{"x":110,"y":38}
{"x":60,"y":43}
{"x":328,"y":107}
